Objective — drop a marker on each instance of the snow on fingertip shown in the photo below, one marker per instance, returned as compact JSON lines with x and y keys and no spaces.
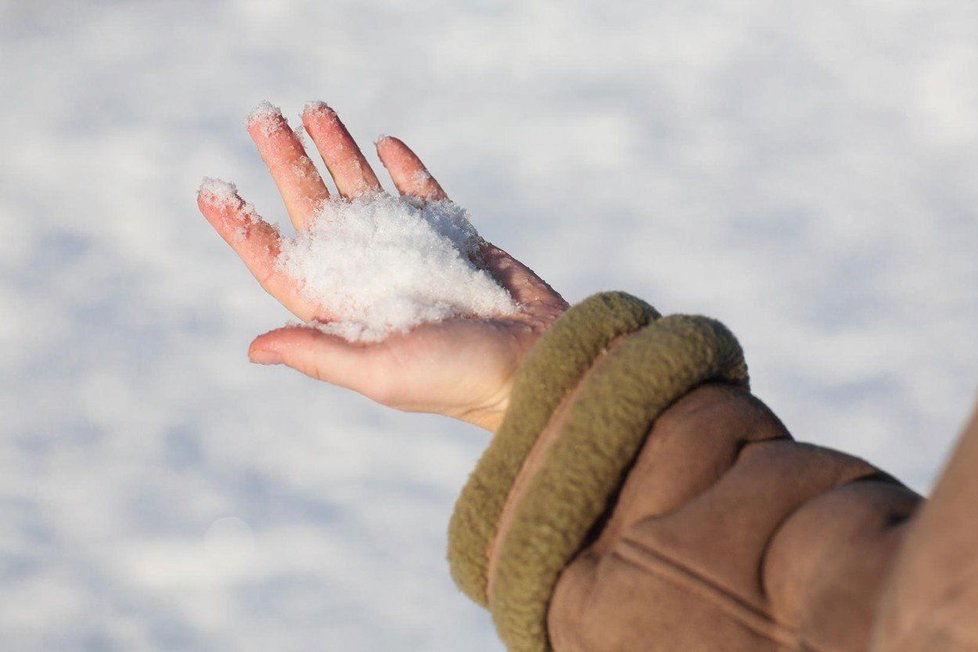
{"x":382,"y":264}
{"x":267,"y":117}
{"x":315,"y":106}
{"x":317,"y":109}
{"x":223,"y":195}
{"x":217,"y":192}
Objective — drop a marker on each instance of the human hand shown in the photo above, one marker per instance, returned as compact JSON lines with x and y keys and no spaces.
{"x":462,"y":367}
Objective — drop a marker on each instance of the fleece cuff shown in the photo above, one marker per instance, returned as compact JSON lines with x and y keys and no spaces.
{"x":552,"y":368}
{"x":584,"y":469}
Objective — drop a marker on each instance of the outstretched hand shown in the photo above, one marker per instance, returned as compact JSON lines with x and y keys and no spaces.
{"x":462,"y":367}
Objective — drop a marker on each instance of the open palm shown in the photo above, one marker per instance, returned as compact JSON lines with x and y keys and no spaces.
{"x":461,"y":367}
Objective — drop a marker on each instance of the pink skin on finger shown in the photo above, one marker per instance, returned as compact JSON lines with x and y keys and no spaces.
{"x":297,"y":179}
{"x":255,"y":241}
{"x":344,"y":160}
{"x":232,"y":217}
{"x":407,"y":171}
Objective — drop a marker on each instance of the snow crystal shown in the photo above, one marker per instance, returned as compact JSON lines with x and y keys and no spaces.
{"x":381,"y":264}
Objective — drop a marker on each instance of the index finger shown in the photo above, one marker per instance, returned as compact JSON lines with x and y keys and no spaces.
{"x":343,"y":158}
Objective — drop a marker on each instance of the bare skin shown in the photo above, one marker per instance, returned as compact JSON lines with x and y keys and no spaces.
{"x":462,"y":368}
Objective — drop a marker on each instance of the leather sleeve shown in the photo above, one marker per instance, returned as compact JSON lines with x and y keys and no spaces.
{"x":729,"y":535}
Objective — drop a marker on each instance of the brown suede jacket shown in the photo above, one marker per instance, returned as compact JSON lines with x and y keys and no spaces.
{"x":639,"y":497}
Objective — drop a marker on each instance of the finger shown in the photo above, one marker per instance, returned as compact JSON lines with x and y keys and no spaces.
{"x":350,"y":171}
{"x":322,"y":356}
{"x":298,"y":180}
{"x":255,"y":241}
{"x":522,"y":282}
{"x":407,"y":171}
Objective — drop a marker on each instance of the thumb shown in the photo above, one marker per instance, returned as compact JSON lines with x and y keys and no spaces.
{"x":322,"y":356}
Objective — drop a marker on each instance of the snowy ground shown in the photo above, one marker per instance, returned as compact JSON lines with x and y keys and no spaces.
{"x":805,"y":172}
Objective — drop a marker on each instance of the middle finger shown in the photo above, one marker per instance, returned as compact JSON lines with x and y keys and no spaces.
{"x":298,"y":181}
{"x":344,"y":160}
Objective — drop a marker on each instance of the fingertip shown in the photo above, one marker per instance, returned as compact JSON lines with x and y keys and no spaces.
{"x":266,"y":119}
{"x":318,"y":113}
{"x":407,"y":171}
{"x":217,"y":192}
{"x":289,"y":345}
{"x":390,"y":150}
{"x":219,"y":199}
{"x":316,"y":106}
{"x":264,"y":109}
{"x":256,"y":344}
{"x":262,"y":349}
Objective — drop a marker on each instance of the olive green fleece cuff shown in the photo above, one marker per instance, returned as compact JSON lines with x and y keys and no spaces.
{"x":582,"y":471}
{"x":554,"y":366}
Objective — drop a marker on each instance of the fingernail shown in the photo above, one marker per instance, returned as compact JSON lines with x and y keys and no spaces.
{"x":266,"y":357}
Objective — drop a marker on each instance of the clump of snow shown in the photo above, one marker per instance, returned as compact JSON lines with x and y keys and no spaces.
{"x":381,"y":264}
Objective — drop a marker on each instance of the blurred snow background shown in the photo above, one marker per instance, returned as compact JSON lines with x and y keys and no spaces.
{"x":805,"y":172}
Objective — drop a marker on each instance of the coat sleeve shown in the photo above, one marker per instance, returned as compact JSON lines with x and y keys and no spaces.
{"x":639,"y":497}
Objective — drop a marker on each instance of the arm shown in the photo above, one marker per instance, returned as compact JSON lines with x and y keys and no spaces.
{"x":636,"y":494}
{"x":656,"y":504}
